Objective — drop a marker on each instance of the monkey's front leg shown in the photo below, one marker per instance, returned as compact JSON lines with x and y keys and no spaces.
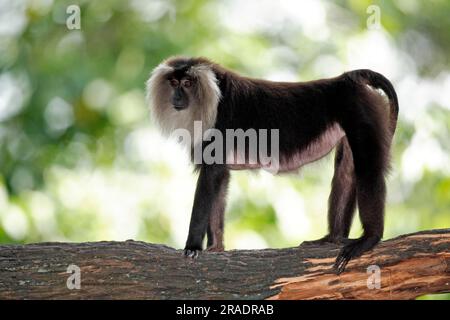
{"x":207,"y":195}
{"x":216,"y":217}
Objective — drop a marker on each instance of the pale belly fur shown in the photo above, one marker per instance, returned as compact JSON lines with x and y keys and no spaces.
{"x":319,"y":148}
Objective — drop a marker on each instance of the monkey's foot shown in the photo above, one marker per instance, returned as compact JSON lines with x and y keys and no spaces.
{"x":215,"y":248}
{"x":325,"y":240}
{"x":191,"y":253}
{"x":354,"y":249}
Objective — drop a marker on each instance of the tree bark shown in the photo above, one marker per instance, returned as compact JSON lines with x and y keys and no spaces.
{"x":409,"y":266}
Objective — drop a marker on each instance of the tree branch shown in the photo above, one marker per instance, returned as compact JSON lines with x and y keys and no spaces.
{"x":410,"y":265}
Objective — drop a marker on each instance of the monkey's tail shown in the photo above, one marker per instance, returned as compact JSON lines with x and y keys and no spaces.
{"x":379,"y":81}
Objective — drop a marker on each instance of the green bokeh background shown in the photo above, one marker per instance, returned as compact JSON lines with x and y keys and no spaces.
{"x":80,"y":159}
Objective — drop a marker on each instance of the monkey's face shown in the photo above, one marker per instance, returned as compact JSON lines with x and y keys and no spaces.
{"x":181,"y":91}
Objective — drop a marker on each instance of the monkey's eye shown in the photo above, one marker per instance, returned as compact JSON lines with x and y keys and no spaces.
{"x":174,"y":82}
{"x":186,"y":83}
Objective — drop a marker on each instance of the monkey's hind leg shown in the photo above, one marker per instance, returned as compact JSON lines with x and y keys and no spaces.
{"x":211,"y":181}
{"x":370,"y":145}
{"x":342,"y":200}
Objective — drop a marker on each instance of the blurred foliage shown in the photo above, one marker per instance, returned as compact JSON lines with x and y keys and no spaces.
{"x":81,"y":161}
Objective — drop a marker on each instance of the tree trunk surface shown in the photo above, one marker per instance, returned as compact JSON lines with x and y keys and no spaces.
{"x":401,"y":268}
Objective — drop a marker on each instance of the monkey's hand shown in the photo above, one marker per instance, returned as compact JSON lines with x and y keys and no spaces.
{"x":191,"y":252}
{"x":354,"y":249}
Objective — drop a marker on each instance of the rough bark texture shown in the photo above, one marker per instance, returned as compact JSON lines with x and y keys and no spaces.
{"x":410,"y":265}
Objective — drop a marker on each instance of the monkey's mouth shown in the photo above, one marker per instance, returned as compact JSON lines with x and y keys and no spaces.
{"x":179,"y":107}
